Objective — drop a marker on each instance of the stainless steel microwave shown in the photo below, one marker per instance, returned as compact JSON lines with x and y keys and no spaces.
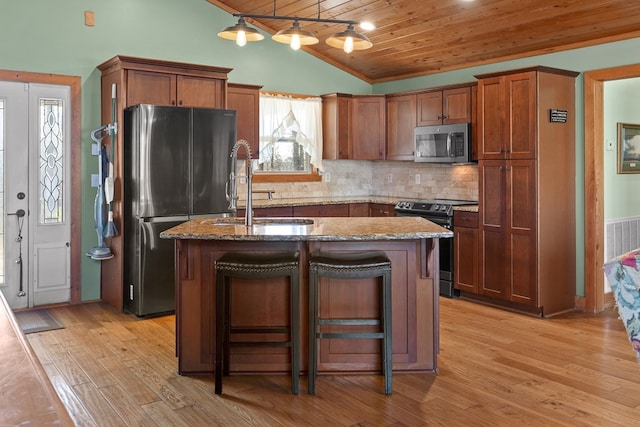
{"x":443,"y":143}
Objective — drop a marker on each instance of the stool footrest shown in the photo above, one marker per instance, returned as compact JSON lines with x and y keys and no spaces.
{"x":260,"y":330}
{"x":349,"y":322}
{"x":260,"y":344}
{"x":371,"y":335}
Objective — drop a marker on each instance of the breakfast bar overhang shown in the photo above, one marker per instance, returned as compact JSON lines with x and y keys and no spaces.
{"x":411,"y":243}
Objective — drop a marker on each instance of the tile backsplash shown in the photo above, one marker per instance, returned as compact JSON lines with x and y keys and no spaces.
{"x":346,"y":178}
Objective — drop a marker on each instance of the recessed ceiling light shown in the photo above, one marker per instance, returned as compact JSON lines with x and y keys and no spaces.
{"x":367,"y":26}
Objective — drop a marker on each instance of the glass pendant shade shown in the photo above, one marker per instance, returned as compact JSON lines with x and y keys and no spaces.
{"x":349,"y":40}
{"x":295,"y":37}
{"x":241,"y":33}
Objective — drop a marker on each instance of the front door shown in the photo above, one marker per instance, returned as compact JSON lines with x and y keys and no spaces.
{"x":34,"y":198}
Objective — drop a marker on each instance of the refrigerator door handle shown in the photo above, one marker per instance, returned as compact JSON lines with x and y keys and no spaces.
{"x":153,"y":219}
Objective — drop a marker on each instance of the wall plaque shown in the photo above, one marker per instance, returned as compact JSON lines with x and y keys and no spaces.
{"x":557,"y":116}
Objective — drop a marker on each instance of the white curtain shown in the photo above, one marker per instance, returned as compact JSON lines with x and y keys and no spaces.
{"x":280,"y":114}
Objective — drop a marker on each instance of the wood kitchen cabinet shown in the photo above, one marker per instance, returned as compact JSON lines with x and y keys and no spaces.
{"x":147,"y":81}
{"x":401,"y":123}
{"x":526,"y":181}
{"x":507,"y":119}
{"x":465,"y":250}
{"x":443,"y":107}
{"x":245,"y":99}
{"x":353,"y":127}
{"x":368,"y":127}
{"x":381,"y":209}
{"x":321,"y":210}
{"x":359,"y":209}
{"x":336,"y":126}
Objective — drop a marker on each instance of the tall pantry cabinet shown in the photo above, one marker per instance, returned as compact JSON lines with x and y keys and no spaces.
{"x":148,"y":81}
{"x":526,"y":168}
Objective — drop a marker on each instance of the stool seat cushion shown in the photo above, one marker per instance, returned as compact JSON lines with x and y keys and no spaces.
{"x":359,"y":260}
{"x":257,"y":262}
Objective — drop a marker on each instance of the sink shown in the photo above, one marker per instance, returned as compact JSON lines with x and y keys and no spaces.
{"x":258,"y":221}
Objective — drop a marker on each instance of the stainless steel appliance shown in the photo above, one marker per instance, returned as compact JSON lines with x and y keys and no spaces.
{"x":443,"y":143}
{"x":438,"y":211}
{"x":176,"y":163}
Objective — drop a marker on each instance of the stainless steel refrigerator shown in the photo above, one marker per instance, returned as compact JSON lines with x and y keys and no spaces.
{"x":176,"y":163}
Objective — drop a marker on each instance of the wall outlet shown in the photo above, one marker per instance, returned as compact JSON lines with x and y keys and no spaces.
{"x":417,"y":178}
{"x":609,"y":145}
{"x":242,"y":179}
{"x":390,"y":178}
{"x":327,"y":177}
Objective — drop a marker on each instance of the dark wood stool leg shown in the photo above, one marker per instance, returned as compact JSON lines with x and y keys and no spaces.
{"x":294,"y":330}
{"x":220,"y":330}
{"x":387,"y":354}
{"x":313,"y":328}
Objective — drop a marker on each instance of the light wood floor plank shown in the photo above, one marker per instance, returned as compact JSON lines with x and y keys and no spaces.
{"x":496,"y":368}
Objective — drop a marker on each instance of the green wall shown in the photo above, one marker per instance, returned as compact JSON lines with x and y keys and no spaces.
{"x":50,"y":37}
{"x":621,"y":191}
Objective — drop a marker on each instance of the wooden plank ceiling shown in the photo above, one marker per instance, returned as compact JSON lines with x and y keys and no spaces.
{"x":420,"y":37}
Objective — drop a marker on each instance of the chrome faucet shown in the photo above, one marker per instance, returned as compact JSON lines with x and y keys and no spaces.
{"x":232,"y":196}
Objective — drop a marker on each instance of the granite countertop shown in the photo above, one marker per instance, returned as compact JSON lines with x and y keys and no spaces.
{"x":309,"y":229}
{"x":262,"y":201}
{"x":466,"y":208}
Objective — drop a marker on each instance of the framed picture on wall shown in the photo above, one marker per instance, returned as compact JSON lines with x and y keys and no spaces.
{"x":628,"y":148}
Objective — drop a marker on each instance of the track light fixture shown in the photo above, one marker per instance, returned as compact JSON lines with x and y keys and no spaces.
{"x":348,"y":40}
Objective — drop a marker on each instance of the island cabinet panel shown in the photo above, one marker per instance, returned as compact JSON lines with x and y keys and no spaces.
{"x":413,"y":334}
{"x":414,"y":313}
{"x":149,"y":81}
{"x":253,"y":303}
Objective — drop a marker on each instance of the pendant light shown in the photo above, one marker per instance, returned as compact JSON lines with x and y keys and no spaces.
{"x":295,"y":36}
{"x":241,"y":33}
{"x":349,"y":40}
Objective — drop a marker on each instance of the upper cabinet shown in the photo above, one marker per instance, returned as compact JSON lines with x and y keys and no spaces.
{"x":442,"y":107}
{"x":405,"y":111}
{"x":245,"y":99}
{"x":353,"y":126}
{"x":401,"y":122}
{"x":368,"y":127}
{"x":336,"y":126}
{"x":507,"y":120}
{"x":148,"y":81}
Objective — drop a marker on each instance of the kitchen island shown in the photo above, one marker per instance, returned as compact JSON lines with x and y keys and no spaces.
{"x":411,"y":243}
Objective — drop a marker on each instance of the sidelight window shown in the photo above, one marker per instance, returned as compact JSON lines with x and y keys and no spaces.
{"x":51,"y":143}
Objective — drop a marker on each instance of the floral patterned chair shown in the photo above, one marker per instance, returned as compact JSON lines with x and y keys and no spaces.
{"x":623,"y":274}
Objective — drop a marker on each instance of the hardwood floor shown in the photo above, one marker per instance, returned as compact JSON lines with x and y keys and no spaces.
{"x":496,"y":368}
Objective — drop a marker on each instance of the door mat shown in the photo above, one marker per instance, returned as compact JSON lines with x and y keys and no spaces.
{"x":40,"y":320}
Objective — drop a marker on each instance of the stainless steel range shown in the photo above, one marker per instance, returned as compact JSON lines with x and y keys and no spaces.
{"x":438,"y":211}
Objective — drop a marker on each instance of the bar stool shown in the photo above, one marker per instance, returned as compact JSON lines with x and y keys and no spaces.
{"x":256,"y":266}
{"x":350,"y":266}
